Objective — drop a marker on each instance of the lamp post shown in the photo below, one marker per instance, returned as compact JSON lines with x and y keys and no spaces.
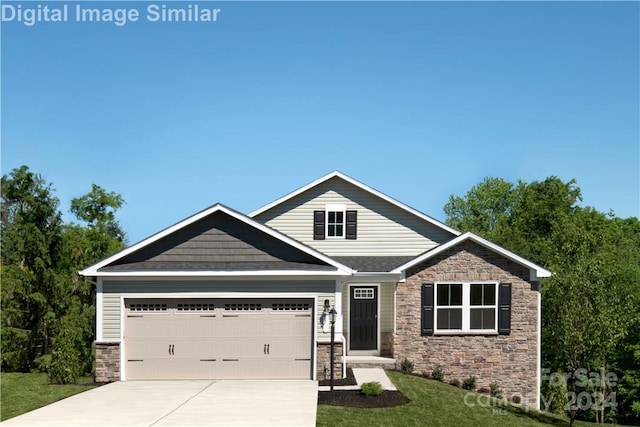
{"x":332,"y":319}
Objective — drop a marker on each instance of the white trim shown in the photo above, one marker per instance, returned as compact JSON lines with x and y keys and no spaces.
{"x":375,"y":352}
{"x":217,"y":295}
{"x":208,"y":273}
{"x":534,"y":268}
{"x":538,"y":348}
{"x":93,"y":269}
{"x":362,"y":187}
{"x":466,"y":308}
{"x":99,"y":311}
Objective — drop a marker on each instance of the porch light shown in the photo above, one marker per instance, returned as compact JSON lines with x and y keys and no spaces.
{"x":332,"y":316}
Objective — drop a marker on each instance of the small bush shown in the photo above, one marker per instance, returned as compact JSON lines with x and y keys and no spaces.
{"x":438,"y":374}
{"x":42,"y":363}
{"x":484,"y":390}
{"x":469,"y":383}
{"x":372,"y":389}
{"x":455,"y":382}
{"x":66,"y":364}
{"x":516,"y":399}
{"x":495,"y":390}
{"x":406,"y":366}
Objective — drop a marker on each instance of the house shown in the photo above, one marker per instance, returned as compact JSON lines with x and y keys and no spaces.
{"x":227,"y":295}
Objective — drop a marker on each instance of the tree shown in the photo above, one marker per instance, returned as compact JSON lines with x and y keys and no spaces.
{"x":31,"y":244}
{"x":591,"y":305}
{"x":44,"y":300}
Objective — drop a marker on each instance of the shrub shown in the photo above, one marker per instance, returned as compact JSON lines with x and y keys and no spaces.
{"x":438,"y":374}
{"x":455,"y":382}
{"x":495,"y":390}
{"x":372,"y":389}
{"x":469,"y":383}
{"x":42,"y":363}
{"x":406,"y":366}
{"x":66,"y":364}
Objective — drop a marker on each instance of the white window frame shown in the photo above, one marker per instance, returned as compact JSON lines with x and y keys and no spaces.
{"x":466,"y":309}
{"x":338,"y":209}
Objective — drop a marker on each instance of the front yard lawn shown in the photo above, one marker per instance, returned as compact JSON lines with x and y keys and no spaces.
{"x":20,"y":393}
{"x":437,"y":404}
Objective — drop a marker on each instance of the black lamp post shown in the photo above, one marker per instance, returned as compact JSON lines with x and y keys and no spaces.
{"x":332,"y":319}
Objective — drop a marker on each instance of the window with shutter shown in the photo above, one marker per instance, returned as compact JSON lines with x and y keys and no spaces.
{"x":466,"y":307}
{"x":335,"y":223}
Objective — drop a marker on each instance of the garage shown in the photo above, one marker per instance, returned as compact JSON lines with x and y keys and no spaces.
{"x":218,"y":339}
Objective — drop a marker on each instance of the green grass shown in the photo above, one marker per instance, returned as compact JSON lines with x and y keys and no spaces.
{"x":20,"y":393}
{"x":437,"y":404}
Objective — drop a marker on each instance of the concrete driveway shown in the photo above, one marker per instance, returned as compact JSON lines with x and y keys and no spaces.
{"x":183,"y":403}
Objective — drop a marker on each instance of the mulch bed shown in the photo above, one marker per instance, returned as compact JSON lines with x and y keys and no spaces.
{"x":357,"y":399}
{"x":349,"y":380}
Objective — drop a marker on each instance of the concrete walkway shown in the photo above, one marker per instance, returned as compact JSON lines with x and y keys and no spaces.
{"x":365,"y":375}
{"x":183,"y":403}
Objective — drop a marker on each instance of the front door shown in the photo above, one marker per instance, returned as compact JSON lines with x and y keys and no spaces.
{"x":363,"y":319}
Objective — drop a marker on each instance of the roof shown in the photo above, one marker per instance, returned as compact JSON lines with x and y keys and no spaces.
{"x":336,"y":174}
{"x":538,"y":270}
{"x":370,"y":264}
{"x":217,"y":241}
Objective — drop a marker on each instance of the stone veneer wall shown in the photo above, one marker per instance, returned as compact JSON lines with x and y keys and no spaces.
{"x":508,"y":360}
{"x":324,"y":356}
{"x":107,"y":362}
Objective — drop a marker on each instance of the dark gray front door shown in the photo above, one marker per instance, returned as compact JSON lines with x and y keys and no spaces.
{"x":364,"y":318}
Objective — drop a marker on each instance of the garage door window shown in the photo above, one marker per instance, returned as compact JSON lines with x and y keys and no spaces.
{"x":148,"y":307}
{"x":242,"y":307}
{"x":196,"y":307}
{"x":290,"y":306}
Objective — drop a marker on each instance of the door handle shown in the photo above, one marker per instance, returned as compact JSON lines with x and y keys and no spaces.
{"x":264,"y":350}
{"x":267,"y":348}
{"x":173,"y":349}
{"x":169,"y":349}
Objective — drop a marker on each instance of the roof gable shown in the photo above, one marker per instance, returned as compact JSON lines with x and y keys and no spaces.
{"x":537,"y":271}
{"x":217,"y":239}
{"x":362,"y":187}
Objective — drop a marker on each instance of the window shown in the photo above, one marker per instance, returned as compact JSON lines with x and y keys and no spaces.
{"x":335,"y":222}
{"x":466,"y":307}
{"x":363,"y":293}
{"x":449,"y":308}
{"x":482,"y":313}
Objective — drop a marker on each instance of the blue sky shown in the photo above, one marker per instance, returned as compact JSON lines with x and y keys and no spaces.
{"x":419,"y":100}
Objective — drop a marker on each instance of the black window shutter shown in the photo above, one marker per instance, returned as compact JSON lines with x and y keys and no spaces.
{"x":427,"y":309}
{"x":318,"y":225}
{"x":504,"y":309}
{"x":352,"y":222}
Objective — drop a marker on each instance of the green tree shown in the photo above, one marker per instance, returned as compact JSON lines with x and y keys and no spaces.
{"x":31,"y":247}
{"x":44,"y":300}
{"x":590,"y":303}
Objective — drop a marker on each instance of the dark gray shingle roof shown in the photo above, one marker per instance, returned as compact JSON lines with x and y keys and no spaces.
{"x":373,"y":263}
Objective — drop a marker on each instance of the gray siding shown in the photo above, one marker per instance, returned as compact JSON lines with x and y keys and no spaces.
{"x":383,"y":228}
{"x":113,"y":290}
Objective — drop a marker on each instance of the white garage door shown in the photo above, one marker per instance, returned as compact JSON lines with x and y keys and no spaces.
{"x":218,"y":339}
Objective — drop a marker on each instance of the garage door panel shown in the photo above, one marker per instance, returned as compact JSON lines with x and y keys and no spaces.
{"x":215,"y":339}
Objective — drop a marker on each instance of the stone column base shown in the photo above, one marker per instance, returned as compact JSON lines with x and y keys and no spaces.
{"x":107,"y":362}
{"x":323,"y":362}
